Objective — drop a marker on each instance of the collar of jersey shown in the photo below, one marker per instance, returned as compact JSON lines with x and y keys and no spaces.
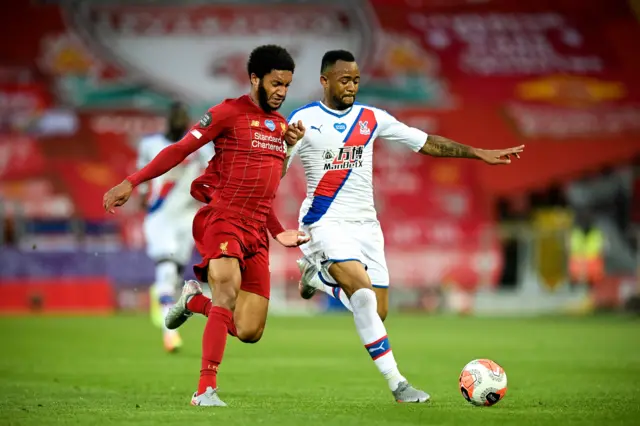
{"x":333,"y":112}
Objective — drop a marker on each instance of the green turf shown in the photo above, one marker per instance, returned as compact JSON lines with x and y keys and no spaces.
{"x":313,"y":371}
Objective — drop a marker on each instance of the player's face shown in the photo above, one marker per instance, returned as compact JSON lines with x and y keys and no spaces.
{"x":341,"y":83}
{"x":272,"y":89}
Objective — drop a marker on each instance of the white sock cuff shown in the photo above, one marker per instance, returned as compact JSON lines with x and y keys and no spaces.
{"x":364,"y":297}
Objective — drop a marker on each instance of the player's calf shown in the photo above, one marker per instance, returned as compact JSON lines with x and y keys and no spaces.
{"x":382,"y":313}
{"x":250,"y":316}
{"x":382,"y":297}
{"x":351,"y":276}
{"x":354,"y":280}
{"x":224,"y":280}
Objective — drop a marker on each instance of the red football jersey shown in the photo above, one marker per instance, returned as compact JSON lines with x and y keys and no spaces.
{"x":245,"y":172}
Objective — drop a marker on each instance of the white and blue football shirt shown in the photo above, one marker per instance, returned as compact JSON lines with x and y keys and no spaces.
{"x":337,"y":156}
{"x":170,"y":193}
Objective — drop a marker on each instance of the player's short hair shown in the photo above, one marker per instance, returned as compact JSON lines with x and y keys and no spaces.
{"x":331,"y":57}
{"x":267,"y":58}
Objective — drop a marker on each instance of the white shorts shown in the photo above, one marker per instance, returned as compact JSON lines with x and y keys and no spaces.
{"x":333,"y":242}
{"x":169,"y":237}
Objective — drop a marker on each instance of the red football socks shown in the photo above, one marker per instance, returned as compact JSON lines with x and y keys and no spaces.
{"x":199,"y":304}
{"x":214,"y":341}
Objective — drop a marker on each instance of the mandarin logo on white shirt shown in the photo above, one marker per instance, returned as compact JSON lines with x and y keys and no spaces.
{"x":337,"y":156}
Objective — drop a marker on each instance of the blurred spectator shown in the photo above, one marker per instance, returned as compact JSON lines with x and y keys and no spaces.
{"x":555,"y":196}
{"x":586,"y":251}
{"x":506,"y":215}
{"x":512,"y":213}
{"x":606,"y":193}
{"x":7,"y":232}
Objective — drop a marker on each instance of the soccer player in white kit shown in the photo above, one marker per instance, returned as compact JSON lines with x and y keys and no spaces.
{"x":345,"y":256}
{"x":170,"y":211}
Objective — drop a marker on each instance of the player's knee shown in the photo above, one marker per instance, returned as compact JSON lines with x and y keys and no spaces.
{"x":351,"y":275}
{"x":364,"y":299}
{"x":224,"y":281}
{"x":250,"y":335}
{"x":224,"y":295}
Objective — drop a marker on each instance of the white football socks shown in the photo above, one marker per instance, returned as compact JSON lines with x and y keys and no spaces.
{"x":337,"y":293}
{"x":167,"y":278}
{"x":373,"y":335}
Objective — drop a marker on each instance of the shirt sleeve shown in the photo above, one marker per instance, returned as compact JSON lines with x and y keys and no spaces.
{"x":395,"y":131}
{"x":273,"y":224}
{"x":212,"y":124}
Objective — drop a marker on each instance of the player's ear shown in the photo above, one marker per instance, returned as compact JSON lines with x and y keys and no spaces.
{"x":255,"y":80}
{"x":324,"y":81}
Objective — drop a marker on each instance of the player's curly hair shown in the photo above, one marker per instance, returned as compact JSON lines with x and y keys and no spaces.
{"x":267,"y":58}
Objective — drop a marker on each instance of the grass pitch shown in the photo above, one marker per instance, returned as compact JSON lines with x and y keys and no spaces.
{"x":313,"y":371}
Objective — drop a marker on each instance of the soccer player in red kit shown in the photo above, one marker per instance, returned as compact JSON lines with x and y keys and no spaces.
{"x":230,"y":231}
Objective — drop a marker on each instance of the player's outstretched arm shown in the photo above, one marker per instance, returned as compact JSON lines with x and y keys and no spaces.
{"x":439,"y":146}
{"x":206,"y":130}
{"x":166,"y":159}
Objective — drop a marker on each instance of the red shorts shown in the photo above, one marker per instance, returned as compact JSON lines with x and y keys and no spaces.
{"x":220,"y":233}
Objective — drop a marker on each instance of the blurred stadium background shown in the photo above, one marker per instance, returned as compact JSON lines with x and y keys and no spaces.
{"x":555,"y":234}
{"x":88,"y":78}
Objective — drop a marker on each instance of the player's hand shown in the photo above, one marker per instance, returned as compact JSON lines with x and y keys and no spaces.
{"x":117,"y":196}
{"x":499,"y":156}
{"x":294,"y":133}
{"x":292,"y":238}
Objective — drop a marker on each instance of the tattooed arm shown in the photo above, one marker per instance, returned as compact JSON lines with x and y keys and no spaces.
{"x":438,"y":146}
